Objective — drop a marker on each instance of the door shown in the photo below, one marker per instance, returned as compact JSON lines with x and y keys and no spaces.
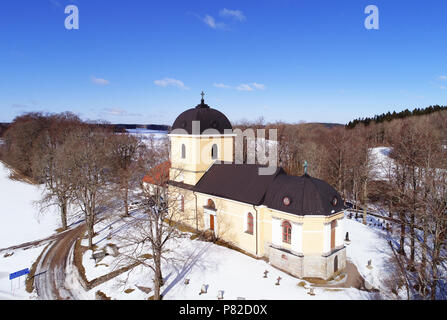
{"x":335,"y":264}
{"x":211,"y":222}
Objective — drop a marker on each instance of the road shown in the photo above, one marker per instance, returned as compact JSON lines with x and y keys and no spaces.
{"x":53,"y":265}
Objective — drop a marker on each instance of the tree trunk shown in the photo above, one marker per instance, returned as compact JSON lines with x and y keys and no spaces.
{"x":64,"y":215}
{"x":158,"y":277}
{"x":90,"y":229}
{"x":412,"y":241}
{"x":126,"y":200}
{"x":402,"y":237}
{"x":413,"y":222}
{"x":365,"y":195}
{"x":422,"y":271}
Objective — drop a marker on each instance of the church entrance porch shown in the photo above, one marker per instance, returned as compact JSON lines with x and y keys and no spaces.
{"x":209,"y":216}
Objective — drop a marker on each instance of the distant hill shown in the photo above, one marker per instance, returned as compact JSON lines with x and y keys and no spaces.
{"x":396,"y":115}
{"x":327,"y":125}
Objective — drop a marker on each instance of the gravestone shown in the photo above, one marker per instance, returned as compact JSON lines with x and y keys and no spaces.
{"x":277,"y":281}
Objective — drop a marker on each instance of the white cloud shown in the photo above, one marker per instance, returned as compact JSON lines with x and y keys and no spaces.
{"x":251,"y":87}
{"x":236,"y":14}
{"x":169,"y":82}
{"x":258,"y":86}
{"x":118,"y":112}
{"x":101,"y":82}
{"x":211,"y":22}
{"x":443,"y":78}
{"x":244,"y":87}
{"x":221,"y":85}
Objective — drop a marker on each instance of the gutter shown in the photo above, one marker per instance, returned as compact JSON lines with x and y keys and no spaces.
{"x":197,"y":220}
{"x":256,"y":230}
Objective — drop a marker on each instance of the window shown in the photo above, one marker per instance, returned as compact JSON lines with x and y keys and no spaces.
{"x":214,"y":151}
{"x":211,"y":205}
{"x":183,"y":151}
{"x":334,"y":201}
{"x":286,"y":232}
{"x":249,"y":223}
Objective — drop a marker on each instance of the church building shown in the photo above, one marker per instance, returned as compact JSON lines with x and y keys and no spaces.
{"x":296,"y":222}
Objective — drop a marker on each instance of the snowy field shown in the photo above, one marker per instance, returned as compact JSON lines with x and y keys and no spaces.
{"x":149,"y":136}
{"x":381,"y":162}
{"x":236,"y":274}
{"x":20,"y":222}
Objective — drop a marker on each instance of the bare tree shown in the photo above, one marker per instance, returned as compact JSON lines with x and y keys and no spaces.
{"x":159,"y":223}
{"x":49,"y":164}
{"x":124,"y":150}
{"x":87,"y":154}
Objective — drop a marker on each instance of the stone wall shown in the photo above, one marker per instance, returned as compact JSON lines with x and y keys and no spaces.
{"x":287,"y":261}
{"x":310,"y":266}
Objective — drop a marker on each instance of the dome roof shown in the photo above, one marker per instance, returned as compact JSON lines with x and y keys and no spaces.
{"x":303,"y":195}
{"x":209,"y":118}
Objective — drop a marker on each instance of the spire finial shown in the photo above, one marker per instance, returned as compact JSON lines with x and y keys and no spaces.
{"x":305,"y":167}
{"x":203,"y":95}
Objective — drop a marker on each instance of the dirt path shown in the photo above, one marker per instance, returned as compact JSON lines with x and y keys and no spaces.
{"x":350,"y":278}
{"x":50,"y":284}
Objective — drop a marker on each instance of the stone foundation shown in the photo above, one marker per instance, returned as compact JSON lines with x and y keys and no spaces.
{"x":308,"y":266}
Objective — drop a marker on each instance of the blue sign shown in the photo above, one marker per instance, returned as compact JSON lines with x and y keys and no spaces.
{"x":18,"y":274}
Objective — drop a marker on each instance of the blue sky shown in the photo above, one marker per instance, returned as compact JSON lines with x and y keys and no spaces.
{"x":147,"y":61}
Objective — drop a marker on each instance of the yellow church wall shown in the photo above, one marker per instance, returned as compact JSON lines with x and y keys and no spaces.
{"x":231,"y":221}
{"x":198,"y":155}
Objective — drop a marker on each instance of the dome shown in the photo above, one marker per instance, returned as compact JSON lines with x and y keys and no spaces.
{"x":303,"y":195}
{"x":209,"y":118}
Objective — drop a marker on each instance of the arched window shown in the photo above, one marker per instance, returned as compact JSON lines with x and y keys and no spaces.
{"x":286,"y":232}
{"x":214,"y":151}
{"x":249,"y":223}
{"x":211,"y":204}
{"x":183,"y":151}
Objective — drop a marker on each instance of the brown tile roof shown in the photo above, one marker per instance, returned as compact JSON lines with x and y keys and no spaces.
{"x":158,"y":175}
{"x":241,"y":182}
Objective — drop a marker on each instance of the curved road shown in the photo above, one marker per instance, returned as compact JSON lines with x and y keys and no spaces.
{"x":51,"y":271}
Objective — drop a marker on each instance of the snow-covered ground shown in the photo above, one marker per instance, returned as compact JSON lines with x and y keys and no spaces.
{"x":368,"y":243}
{"x":20,"y":222}
{"x":236,"y":274}
{"x":381,"y":162}
{"x":20,"y":218}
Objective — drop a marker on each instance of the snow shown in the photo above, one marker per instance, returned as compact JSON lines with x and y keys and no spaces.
{"x":146,"y":134}
{"x":20,"y":259}
{"x":238,"y":275}
{"x":381,"y":162}
{"x":368,"y":244}
{"x":21,"y":221}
